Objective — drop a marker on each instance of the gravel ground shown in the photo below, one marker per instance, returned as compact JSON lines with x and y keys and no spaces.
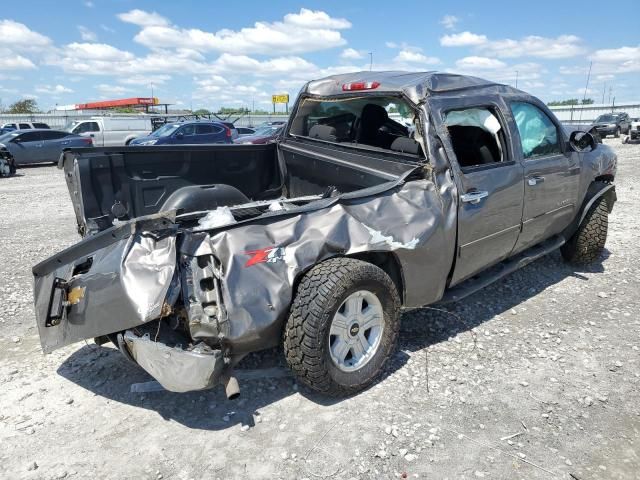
{"x":537,"y":376}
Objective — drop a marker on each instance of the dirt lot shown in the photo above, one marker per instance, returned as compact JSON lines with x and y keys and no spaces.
{"x":537,"y":376}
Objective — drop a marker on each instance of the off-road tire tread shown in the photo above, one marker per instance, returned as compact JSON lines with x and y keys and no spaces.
{"x":303,"y":332}
{"x":587,"y":243}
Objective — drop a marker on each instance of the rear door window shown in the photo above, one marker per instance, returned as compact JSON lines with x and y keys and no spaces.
{"x":40,"y":125}
{"x":53,"y":135}
{"x":204,"y":129}
{"x":477,"y":137}
{"x":24,"y":126}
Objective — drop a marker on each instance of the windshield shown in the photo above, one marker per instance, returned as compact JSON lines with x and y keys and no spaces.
{"x":606,"y":118}
{"x":71,"y":125}
{"x":266,"y":130}
{"x":165,"y":130}
{"x":8,"y":136}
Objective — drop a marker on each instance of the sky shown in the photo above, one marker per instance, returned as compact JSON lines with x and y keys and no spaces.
{"x":202,"y":54}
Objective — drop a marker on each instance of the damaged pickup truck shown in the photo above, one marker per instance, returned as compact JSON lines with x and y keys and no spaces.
{"x":386,"y":191}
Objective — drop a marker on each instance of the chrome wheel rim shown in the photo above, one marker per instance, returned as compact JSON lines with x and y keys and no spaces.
{"x":356,"y":331}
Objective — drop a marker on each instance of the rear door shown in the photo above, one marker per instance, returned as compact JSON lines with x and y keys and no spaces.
{"x":551,"y":171}
{"x":208,"y":133}
{"x":490,"y":183}
{"x":52,"y":144}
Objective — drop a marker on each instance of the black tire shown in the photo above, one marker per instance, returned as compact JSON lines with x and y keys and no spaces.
{"x":587,"y":243}
{"x":617,"y":134}
{"x":320,"y":294}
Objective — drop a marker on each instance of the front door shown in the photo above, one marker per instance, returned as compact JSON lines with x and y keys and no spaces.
{"x":551,"y":175}
{"x":27,"y":148}
{"x":490,"y":187}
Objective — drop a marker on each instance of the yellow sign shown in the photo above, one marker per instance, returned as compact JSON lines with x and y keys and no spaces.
{"x":280,"y":98}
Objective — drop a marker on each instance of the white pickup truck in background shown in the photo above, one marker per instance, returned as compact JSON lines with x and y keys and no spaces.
{"x":111,"y":131}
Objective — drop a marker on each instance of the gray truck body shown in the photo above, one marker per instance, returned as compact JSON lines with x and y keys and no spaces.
{"x":226,"y":287}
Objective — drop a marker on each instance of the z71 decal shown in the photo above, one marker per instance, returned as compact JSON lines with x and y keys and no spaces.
{"x":265,"y":255}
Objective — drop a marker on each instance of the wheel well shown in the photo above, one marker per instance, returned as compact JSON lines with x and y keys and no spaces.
{"x":604,"y":178}
{"x":389,"y":263}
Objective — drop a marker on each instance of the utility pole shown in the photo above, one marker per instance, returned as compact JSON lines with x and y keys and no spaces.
{"x":610,"y":91}
{"x":584,"y":97}
{"x":516,"y":78}
{"x":152,"y":90}
{"x":370,"y":60}
{"x":604,"y":89}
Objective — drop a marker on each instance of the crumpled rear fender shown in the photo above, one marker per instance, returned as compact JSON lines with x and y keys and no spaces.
{"x":260,"y":263}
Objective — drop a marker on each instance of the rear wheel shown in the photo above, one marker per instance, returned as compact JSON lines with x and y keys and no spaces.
{"x":587,"y":243}
{"x":343,"y":326}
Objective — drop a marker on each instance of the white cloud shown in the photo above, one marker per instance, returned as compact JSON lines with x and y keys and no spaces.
{"x":106,"y":28}
{"x":479,"y":63}
{"x":273,"y":66}
{"x":605,"y":77}
{"x":19,"y":36}
{"x":617,"y":60}
{"x":411,"y":56}
{"x":143,"y":19}
{"x":12,"y":61}
{"x":351,"y":53}
{"x":295,"y":34}
{"x":449,"y":21}
{"x":463,"y":39}
{"x":86,"y":34}
{"x":108,"y":89}
{"x":88,"y":4}
{"x":97,"y":51}
{"x":563,"y":46}
{"x":144,"y":79}
{"x":53,"y":89}
{"x":316,"y":19}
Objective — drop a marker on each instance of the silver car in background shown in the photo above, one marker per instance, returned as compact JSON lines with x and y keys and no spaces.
{"x":40,"y":145}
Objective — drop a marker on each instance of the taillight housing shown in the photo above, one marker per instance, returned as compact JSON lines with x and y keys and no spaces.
{"x":88,"y":141}
{"x":229,"y":134}
{"x":348,"y":87}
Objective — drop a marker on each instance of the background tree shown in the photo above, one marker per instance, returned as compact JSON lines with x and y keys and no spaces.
{"x":26,"y":105}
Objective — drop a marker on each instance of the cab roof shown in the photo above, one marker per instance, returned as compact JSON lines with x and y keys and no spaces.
{"x":415,"y":85}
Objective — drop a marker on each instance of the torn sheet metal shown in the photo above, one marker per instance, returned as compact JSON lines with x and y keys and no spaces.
{"x":177,"y":370}
{"x":262,"y":262}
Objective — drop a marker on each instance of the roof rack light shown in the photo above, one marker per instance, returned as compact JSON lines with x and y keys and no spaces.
{"x":348,"y":87}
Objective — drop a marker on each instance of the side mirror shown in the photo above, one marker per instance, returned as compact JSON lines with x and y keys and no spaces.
{"x":16,"y":140}
{"x":582,"y":141}
{"x":179,"y":135}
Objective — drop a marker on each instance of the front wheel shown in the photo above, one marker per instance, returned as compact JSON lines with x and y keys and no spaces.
{"x":343,"y":326}
{"x":587,"y":243}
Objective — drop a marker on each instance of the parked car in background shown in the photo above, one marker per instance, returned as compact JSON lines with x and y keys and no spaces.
{"x":40,"y":145}
{"x":25,"y":125}
{"x":263,"y":134}
{"x":634,"y":129}
{"x":111,"y":131}
{"x":185,"y":133}
{"x":7,"y":163}
{"x":243,"y":131}
{"x":612,"y":124}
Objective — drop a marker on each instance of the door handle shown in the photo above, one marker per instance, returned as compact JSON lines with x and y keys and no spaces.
{"x":474,"y":197}
{"x":65,"y":143}
{"x":532,"y":181}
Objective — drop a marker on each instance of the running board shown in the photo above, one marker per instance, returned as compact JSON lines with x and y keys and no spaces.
{"x":503,"y":269}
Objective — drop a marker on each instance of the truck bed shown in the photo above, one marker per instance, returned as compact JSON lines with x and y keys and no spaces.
{"x":127,"y":182}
